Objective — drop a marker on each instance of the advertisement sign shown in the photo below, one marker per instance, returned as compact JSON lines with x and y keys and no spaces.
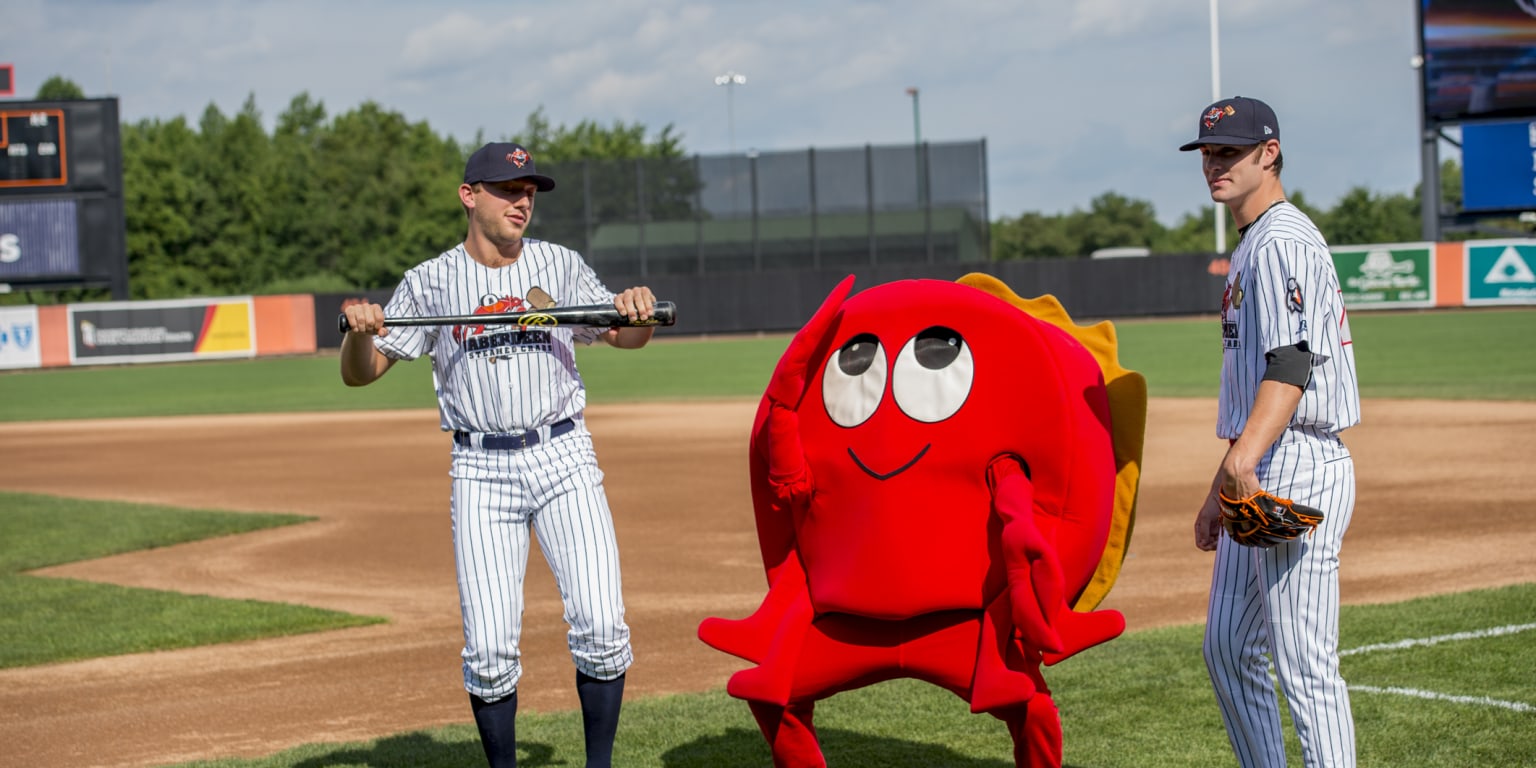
{"x":1387,"y":276}
{"x":158,"y":331}
{"x":19,"y":343}
{"x":1501,"y":272}
{"x":38,"y":237}
{"x":1498,"y":166}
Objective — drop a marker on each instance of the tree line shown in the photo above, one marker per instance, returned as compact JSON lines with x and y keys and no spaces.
{"x":339,"y":203}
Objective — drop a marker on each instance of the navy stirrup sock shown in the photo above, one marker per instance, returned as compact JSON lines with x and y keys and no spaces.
{"x":600,"y":701}
{"x":497,"y":721}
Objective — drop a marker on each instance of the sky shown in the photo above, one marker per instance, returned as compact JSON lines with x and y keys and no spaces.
{"x":1073,"y":98}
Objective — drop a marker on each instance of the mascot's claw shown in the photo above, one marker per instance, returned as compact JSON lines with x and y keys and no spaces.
{"x":1081,"y":631}
{"x":787,"y":386}
{"x":787,"y":471}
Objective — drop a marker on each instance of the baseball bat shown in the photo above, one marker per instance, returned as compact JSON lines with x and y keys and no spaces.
{"x":599,"y":315}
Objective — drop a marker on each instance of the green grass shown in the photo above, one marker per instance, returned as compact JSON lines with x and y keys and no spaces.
{"x":1141,"y":700}
{"x":45,"y":620}
{"x":1444,"y":355}
{"x":1458,"y":355}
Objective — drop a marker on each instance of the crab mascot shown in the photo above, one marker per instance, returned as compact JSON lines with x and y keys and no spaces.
{"x":944,"y":479}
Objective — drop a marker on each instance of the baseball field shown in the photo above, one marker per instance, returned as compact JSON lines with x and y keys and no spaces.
{"x":247,"y":564}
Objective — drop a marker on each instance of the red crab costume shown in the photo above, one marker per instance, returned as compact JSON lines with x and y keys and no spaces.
{"x":943,"y":478}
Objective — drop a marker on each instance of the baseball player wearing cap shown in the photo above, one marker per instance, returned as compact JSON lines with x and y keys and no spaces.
{"x":523,"y":462}
{"x":1288,"y":389}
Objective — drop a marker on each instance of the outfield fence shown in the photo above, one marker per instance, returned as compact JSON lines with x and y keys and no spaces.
{"x":1386,"y":276}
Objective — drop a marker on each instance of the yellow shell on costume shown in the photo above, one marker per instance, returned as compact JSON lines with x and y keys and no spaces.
{"x":1127,"y":392}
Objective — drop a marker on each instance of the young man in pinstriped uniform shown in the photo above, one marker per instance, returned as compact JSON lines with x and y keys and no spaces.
{"x":523,"y":461}
{"x":1288,"y":389}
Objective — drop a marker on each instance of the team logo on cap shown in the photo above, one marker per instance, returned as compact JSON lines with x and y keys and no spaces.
{"x":518,"y":157}
{"x":1215,"y":115}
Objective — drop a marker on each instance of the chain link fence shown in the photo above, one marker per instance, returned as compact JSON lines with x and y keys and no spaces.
{"x":757,"y":211}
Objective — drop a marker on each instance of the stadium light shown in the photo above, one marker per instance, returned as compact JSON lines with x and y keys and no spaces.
{"x":730,"y":80}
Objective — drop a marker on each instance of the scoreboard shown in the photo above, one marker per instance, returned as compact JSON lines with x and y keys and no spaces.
{"x":61,"y":196}
{"x":33,"y":143}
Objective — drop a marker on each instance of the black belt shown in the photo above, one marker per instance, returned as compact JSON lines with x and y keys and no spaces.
{"x":516,"y":441}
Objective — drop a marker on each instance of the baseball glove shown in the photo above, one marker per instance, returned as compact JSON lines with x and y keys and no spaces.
{"x":1264,"y":520}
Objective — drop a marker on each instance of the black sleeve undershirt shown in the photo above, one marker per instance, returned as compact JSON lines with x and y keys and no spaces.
{"x":1290,"y":365}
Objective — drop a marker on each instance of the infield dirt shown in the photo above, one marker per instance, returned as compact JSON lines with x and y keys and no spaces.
{"x":1442,"y":507}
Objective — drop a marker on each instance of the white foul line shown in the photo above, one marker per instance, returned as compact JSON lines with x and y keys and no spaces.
{"x":1481,"y":633}
{"x":1483,"y":700}
{"x":1427,"y":641}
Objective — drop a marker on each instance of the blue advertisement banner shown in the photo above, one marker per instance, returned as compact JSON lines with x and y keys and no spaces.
{"x":1498,"y":169}
{"x":38,"y":238}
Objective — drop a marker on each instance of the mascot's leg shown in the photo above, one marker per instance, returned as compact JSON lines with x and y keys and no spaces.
{"x":790,"y":733}
{"x":995,"y":685}
{"x":1036,"y":731}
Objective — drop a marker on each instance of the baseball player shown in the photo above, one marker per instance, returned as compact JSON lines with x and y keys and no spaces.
{"x":523,"y":462}
{"x":1288,"y":389}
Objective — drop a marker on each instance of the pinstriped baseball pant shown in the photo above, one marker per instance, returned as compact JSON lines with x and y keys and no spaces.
{"x":1283,"y":603}
{"x":502,"y":499}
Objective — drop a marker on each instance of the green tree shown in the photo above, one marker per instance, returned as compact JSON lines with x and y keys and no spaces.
{"x":59,"y":88}
{"x":1032,"y":236}
{"x":158,"y":193}
{"x":1194,"y":233}
{"x":1362,"y":217}
{"x":231,"y":203}
{"x":1111,"y":221}
{"x":384,"y":196}
{"x":1114,"y":221}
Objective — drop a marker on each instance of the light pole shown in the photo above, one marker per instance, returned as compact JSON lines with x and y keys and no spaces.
{"x":730,"y":80}
{"x":917,"y":129}
{"x":917,"y":145}
{"x":1221,"y":216}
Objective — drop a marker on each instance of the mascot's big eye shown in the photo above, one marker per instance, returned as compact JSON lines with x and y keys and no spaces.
{"x":854,"y":381}
{"x":933,"y":374}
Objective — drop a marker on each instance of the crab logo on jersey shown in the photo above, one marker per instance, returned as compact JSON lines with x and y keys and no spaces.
{"x":489,"y":305}
{"x":497,"y":342}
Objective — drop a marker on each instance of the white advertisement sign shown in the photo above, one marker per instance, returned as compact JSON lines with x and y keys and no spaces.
{"x":20,"y":346}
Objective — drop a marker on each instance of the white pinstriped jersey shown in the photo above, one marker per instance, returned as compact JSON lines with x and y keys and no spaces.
{"x":1282,"y":289}
{"x":497,"y":378}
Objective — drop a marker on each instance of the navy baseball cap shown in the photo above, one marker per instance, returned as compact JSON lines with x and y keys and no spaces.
{"x":1238,"y":120}
{"x":504,"y":161}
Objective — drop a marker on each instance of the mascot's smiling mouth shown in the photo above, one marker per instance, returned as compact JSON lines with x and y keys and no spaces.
{"x":892,"y":473}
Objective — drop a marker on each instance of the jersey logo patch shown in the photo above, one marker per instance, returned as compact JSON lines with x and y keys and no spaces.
{"x":500,"y":342}
{"x":1293,"y":296}
{"x":1231,"y":300}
